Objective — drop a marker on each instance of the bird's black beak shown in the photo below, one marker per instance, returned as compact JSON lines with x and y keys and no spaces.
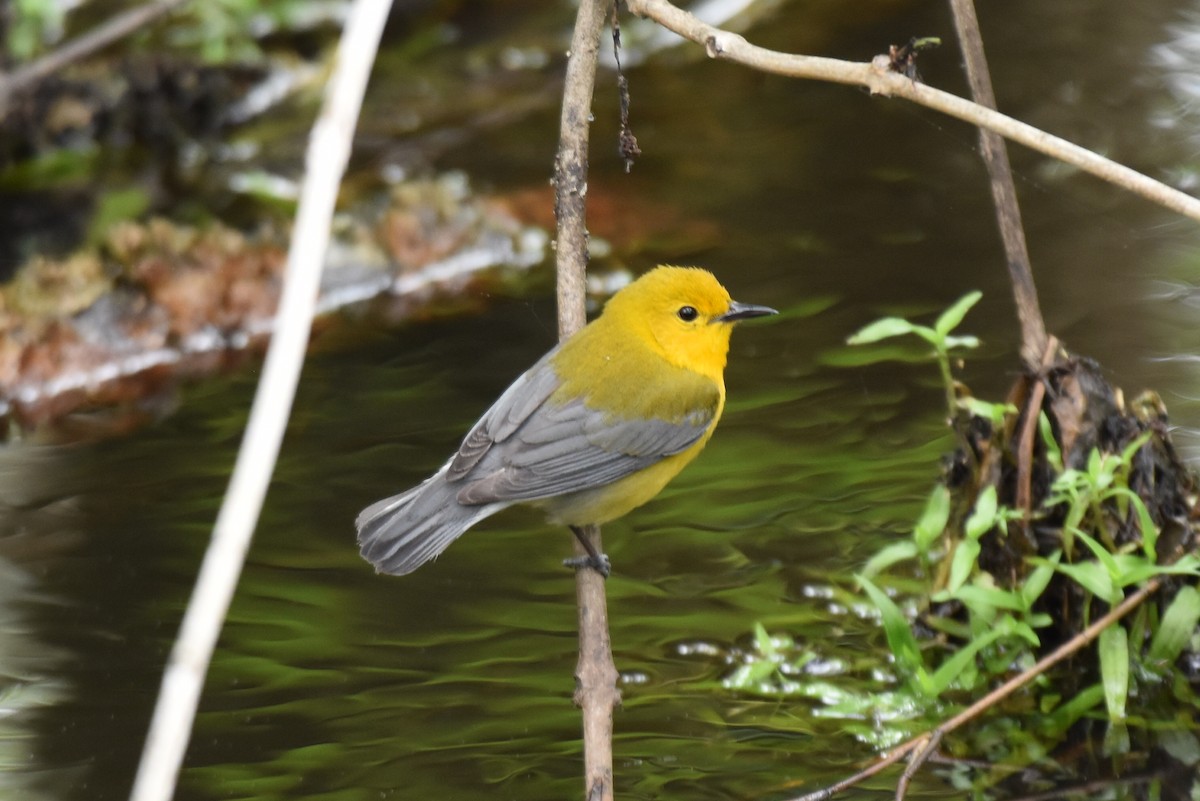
{"x":743,"y":311}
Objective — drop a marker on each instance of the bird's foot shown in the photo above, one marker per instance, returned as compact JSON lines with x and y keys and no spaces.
{"x":599,"y":563}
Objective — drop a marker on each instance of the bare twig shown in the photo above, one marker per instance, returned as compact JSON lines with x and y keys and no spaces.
{"x":627,"y":144}
{"x":1004,"y":191}
{"x":595,"y":674}
{"x":328,"y":153}
{"x":81,"y":47}
{"x":880,"y":79}
{"x":917,"y":761}
{"x":1067,"y":649}
{"x":1029,"y":426}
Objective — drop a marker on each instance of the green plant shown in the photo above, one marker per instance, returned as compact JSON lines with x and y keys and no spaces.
{"x":938,"y":335}
{"x":1085,"y":492}
{"x":997,"y":625}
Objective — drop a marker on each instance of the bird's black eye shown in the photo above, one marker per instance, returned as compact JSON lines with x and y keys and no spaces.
{"x":687,"y":313}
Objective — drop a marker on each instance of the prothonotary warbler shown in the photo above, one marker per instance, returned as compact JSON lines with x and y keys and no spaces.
{"x":596,"y":428}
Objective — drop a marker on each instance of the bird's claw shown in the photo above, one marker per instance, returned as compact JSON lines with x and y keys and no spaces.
{"x":600,"y":563}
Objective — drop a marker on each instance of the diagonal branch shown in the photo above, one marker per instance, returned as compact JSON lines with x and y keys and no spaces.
{"x":879,"y":79}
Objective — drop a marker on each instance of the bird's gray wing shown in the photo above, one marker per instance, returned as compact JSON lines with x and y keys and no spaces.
{"x":558,"y":448}
{"x":510,"y":411}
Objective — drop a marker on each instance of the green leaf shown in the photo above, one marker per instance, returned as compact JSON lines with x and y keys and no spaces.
{"x":1133,"y":568}
{"x":1065,"y":716}
{"x":888,"y":556}
{"x":901,"y":641}
{"x":1092,"y":577}
{"x":1133,"y":447}
{"x":978,"y":596}
{"x":963,"y":658}
{"x":1145,"y":522}
{"x":1114,"y":670}
{"x":1053,"y":452}
{"x":960,"y":342}
{"x":965,"y":555}
{"x":1176,"y":627}
{"x":763,"y":641}
{"x":983,"y":516}
{"x":1026,"y":632}
{"x":954,"y":315}
{"x":933,"y":519}
{"x":1103,"y":555}
{"x":993,"y":412}
{"x":1038,"y":579}
{"x":881,"y":329}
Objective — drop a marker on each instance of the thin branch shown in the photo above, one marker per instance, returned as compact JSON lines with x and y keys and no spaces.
{"x":1067,"y":649}
{"x":1004,"y":191}
{"x":328,"y":153}
{"x":879,"y":79}
{"x":920,"y":756}
{"x":81,"y":47}
{"x":1029,"y":427}
{"x":595,"y":674}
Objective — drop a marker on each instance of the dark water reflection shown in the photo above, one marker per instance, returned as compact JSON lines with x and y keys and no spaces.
{"x":455,"y":682}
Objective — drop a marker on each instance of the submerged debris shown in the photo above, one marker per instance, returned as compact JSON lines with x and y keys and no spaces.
{"x":160,"y":300}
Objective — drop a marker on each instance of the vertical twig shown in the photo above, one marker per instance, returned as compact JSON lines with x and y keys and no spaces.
{"x":595,"y":674}
{"x":325,"y":163}
{"x":627,"y":144}
{"x":1004,"y":192}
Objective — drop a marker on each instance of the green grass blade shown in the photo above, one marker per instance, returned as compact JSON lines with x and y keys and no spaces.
{"x":1114,"y":670}
{"x":1177,"y":625}
{"x":901,"y":641}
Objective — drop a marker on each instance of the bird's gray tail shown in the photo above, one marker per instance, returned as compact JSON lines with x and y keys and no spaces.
{"x":403,"y":532}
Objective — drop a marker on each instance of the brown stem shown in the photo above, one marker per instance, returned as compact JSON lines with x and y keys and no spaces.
{"x":81,"y":47}
{"x":1004,"y":192}
{"x":917,"y":761}
{"x":1029,"y":427}
{"x":595,"y":674}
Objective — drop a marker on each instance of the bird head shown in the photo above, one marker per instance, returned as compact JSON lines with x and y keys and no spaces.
{"x":685,"y":314}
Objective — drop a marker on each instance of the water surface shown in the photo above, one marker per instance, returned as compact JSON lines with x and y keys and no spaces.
{"x":455,"y":682}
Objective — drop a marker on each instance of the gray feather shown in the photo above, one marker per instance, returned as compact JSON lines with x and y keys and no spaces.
{"x":526,"y":447}
{"x":403,"y":532}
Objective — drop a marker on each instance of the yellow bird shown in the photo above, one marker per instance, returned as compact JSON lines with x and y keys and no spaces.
{"x":593,"y":430}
